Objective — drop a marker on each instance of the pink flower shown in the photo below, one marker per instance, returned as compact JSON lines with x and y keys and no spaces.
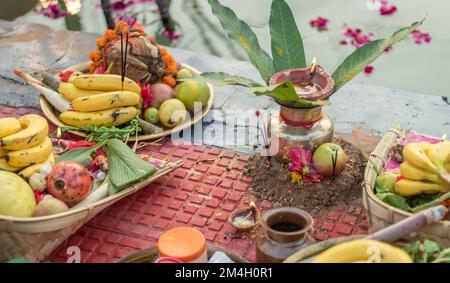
{"x":368,"y":70}
{"x":146,"y":95}
{"x":172,"y":34}
{"x":420,"y":37}
{"x":100,"y":70}
{"x":52,"y":11}
{"x":319,"y":23}
{"x":355,"y":37}
{"x":387,"y":9}
{"x":302,"y":167}
{"x":258,"y":113}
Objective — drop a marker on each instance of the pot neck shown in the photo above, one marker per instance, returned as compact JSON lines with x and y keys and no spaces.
{"x":286,"y":216}
{"x":299,"y":117}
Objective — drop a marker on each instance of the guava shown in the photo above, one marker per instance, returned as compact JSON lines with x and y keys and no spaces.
{"x":190,"y":92}
{"x":172,"y":112}
{"x":161,"y":92}
{"x":329,"y":159}
{"x":184,"y":74}
{"x":151,"y":115}
{"x":49,"y":205}
{"x":16,"y":196}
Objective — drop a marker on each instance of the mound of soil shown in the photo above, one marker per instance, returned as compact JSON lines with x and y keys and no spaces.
{"x":273,"y":183}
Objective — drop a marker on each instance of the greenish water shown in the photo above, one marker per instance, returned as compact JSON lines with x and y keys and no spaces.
{"x":421,"y":68}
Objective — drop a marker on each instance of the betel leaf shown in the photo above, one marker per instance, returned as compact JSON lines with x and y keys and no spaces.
{"x":81,"y":155}
{"x":285,"y":93}
{"x":125,"y":167}
{"x":366,"y":54}
{"x":287,"y":43}
{"x":222,"y":79}
{"x":241,"y":33}
{"x":394,"y":200}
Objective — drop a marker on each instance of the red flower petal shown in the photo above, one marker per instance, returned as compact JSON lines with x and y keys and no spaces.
{"x":64,"y":76}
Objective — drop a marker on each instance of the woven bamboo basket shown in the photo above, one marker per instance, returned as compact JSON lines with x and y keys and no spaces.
{"x":380,"y":214}
{"x":151,"y":254}
{"x":35,"y":238}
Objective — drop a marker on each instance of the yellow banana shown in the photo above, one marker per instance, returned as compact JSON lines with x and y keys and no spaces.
{"x":447,"y":163}
{"x":408,"y":188}
{"x":416,"y":156}
{"x":3,"y":152}
{"x":424,"y":146}
{"x":26,"y":157}
{"x":105,"y":83}
{"x":411,"y":172}
{"x":30,"y":170}
{"x":105,"y":101}
{"x":110,"y":117}
{"x":71,"y":92}
{"x":34,"y":131}
{"x":438,"y":154}
{"x":6,"y":167}
{"x":9,"y":126}
{"x":369,"y":251}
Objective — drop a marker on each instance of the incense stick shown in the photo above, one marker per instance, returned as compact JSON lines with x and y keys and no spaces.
{"x":121,"y":56}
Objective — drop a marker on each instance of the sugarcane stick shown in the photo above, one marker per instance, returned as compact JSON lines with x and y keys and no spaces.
{"x":55,"y":99}
{"x":51,"y":81}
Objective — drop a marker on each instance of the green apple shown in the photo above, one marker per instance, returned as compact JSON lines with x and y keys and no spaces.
{"x":151,"y":115}
{"x":190,"y":92}
{"x":329,"y":159}
{"x":184,"y":74}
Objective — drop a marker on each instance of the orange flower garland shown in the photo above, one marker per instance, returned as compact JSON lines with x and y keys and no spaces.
{"x":171,"y":67}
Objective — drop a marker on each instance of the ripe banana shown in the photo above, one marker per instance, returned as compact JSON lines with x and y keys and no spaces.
{"x":34,"y":131}
{"x":9,"y":126}
{"x":3,"y":152}
{"x":106,"y":83}
{"x":30,"y":170}
{"x":368,"y":251}
{"x":71,"y":92}
{"x":105,"y":101}
{"x":110,"y":117}
{"x":26,"y":157}
{"x":413,"y":173}
{"x":408,"y":188}
{"x":424,"y":146}
{"x":438,"y":154}
{"x":416,"y":156}
{"x":6,"y":167}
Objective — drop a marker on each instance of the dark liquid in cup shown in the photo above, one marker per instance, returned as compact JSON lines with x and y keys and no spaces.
{"x":286,"y":226}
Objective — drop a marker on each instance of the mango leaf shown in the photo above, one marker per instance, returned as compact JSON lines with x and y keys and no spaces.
{"x":366,"y":54}
{"x":81,"y":155}
{"x":287,"y":44}
{"x":241,"y":33}
{"x":285,"y":94}
{"x":125,"y":168}
{"x":221,"y":79}
{"x":394,"y":200}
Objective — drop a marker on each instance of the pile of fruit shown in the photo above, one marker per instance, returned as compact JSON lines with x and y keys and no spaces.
{"x":32,"y":185}
{"x":423,"y":176}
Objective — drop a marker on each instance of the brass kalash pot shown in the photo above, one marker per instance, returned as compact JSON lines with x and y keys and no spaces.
{"x":294,"y":127}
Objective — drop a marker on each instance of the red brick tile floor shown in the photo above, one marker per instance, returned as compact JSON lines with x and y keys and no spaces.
{"x":200,"y":194}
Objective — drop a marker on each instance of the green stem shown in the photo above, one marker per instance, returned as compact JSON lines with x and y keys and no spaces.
{"x":432,"y":203}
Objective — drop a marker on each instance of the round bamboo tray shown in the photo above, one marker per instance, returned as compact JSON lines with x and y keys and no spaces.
{"x":151,"y":254}
{"x":35,"y":238}
{"x":52,"y":114}
{"x":380,"y":214}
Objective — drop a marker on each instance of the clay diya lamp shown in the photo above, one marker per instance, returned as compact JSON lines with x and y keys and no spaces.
{"x":244,"y":219}
{"x":59,"y":146}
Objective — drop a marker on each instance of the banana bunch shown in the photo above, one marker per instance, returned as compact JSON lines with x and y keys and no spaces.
{"x":425,"y":170}
{"x":100,"y":100}
{"x":24,"y":144}
{"x":363,"y":251}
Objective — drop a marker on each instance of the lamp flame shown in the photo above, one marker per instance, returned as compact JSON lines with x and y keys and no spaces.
{"x":252,"y":205}
{"x":58,"y":133}
{"x":313,"y":65}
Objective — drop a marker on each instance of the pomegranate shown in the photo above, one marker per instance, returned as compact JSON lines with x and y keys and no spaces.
{"x":329,"y":159}
{"x":69,"y":182}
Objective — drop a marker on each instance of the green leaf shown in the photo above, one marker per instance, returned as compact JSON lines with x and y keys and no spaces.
{"x":241,"y":33}
{"x":287,"y":44}
{"x":366,"y":54}
{"x":394,"y":200}
{"x":285,"y":94}
{"x":81,"y":155}
{"x":430,"y":249}
{"x":125,"y":168}
{"x":413,"y":250}
{"x":221,"y":79}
